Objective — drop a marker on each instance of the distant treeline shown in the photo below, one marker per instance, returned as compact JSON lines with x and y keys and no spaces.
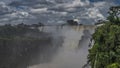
{"x":9,"y":31}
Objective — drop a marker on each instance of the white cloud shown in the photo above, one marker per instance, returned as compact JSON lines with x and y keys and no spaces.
{"x":39,"y":10}
{"x":60,"y":13}
{"x":18,"y":14}
{"x":4,"y":8}
{"x":3,"y":5}
{"x":94,"y":13}
{"x":99,"y":4}
{"x":73,"y":4}
{"x":57,"y":10}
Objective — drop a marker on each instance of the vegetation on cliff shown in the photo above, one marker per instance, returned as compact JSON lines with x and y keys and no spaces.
{"x":105,"y":52}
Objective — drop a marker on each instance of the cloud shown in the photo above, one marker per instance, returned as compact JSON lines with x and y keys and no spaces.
{"x":94,"y":13}
{"x":4,"y":8}
{"x":53,"y":11}
{"x":39,"y":10}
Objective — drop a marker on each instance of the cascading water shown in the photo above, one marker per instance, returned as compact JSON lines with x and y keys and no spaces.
{"x":74,"y":50}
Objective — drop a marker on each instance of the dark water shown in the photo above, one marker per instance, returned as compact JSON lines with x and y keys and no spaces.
{"x":63,"y":47}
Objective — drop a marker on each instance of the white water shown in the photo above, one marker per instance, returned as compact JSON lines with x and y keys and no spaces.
{"x":74,"y":50}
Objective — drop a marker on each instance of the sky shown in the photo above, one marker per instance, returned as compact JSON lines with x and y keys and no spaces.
{"x":54,"y":11}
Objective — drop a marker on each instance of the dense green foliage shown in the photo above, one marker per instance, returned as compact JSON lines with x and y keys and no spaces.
{"x":105,"y":52}
{"x":114,"y":15}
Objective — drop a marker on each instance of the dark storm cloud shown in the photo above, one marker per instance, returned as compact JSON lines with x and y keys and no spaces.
{"x":53,"y":11}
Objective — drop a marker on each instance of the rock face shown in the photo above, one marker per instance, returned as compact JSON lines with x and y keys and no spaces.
{"x":23,"y":47}
{"x":22,"y":52}
{"x":72,"y":22}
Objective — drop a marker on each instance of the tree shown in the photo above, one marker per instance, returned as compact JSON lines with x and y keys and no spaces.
{"x":114,"y":14}
{"x":114,"y":65}
{"x":105,"y":52}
